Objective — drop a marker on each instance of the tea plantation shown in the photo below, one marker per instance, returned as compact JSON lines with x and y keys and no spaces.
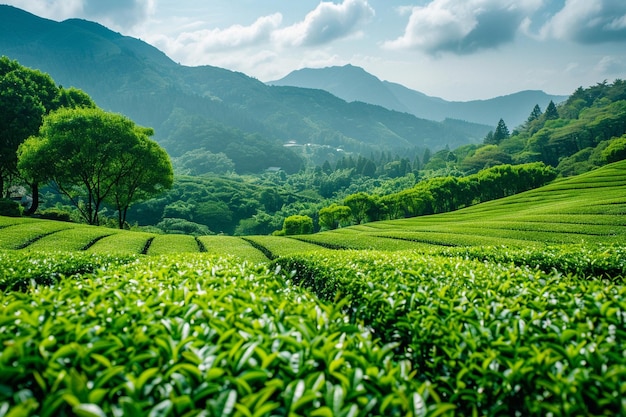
{"x":515,"y":307}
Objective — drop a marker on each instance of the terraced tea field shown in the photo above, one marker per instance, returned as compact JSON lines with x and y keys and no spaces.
{"x":589,"y":208}
{"x":513,"y":307}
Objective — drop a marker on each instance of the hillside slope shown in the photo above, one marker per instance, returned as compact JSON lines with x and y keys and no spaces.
{"x":587,"y":208}
{"x":590,"y":207}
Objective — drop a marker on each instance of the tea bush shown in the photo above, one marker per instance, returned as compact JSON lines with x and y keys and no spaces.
{"x":20,"y":270}
{"x":195,"y":335}
{"x":493,"y":338}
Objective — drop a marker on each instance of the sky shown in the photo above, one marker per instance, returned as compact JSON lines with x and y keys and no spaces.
{"x":453,"y":49}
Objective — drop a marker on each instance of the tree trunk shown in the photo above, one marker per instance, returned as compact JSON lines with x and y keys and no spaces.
{"x":120,"y":218}
{"x":35,"y":204}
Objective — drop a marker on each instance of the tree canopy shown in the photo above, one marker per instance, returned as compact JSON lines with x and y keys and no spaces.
{"x":93,"y":157}
{"x":25,"y":96}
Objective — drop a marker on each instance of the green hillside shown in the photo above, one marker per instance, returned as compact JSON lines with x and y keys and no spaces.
{"x":587,"y":208}
{"x":210,"y":108}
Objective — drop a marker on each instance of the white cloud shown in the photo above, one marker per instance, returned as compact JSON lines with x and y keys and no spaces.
{"x":464,"y":26}
{"x":50,"y":9}
{"x":611,"y":65}
{"x":235,"y":36}
{"x":328,"y":22}
{"x":588,"y":22}
{"x":263,"y":39}
{"x":118,"y":14}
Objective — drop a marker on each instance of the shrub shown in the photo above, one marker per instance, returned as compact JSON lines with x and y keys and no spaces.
{"x":182,"y":226}
{"x":298,"y":225}
{"x":194,"y":336}
{"x":491,"y":337}
{"x":10,"y":208}
{"x":56,"y":214}
{"x":616,"y":151}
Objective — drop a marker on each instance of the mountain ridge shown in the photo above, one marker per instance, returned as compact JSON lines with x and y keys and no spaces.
{"x":353,"y":83}
{"x":210,"y":107}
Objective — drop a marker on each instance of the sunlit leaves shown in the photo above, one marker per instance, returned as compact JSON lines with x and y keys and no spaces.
{"x":176,"y":335}
{"x":490,"y":336}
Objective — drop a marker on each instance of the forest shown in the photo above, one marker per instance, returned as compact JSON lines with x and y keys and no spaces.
{"x":583,"y":133}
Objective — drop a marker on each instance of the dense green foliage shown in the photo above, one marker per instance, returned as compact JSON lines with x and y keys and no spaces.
{"x":439,"y":194}
{"x":616,"y":150}
{"x":533,"y":324}
{"x":18,"y":270}
{"x":193,"y":336}
{"x":491,"y":338}
{"x":587,"y":208}
{"x":26,"y":96}
{"x":93,"y":157}
{"x":298,"y":225}
{"x":570,"y":137}
{"x":449,"y":330}
{"x":10,"y":207}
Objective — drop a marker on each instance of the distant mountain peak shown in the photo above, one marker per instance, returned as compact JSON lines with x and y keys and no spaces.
{"x":353,"y":83}
{"x":93,"y":27}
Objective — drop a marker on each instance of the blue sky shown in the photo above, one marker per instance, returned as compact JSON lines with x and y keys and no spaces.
{"x":454,"y":49}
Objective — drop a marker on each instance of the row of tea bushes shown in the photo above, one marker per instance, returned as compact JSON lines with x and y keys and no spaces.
{"x":583,"y":260}
{"x":21,"y":269}
{"x":493,"y":338}
{"x":194,"y":335}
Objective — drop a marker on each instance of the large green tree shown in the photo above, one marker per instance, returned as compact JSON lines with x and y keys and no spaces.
{"x":92,"y":157}
{"x":362,"y":206}
{"x":25,"y":97}
{"x":145,"y":171}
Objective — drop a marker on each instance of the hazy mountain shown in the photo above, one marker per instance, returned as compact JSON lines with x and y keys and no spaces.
{"x":355,"y":84}
{"x":212,"y":108}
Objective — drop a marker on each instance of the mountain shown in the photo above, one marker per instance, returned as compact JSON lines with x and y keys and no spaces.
{"x":355,"y":84}
{"x":210,"y":108}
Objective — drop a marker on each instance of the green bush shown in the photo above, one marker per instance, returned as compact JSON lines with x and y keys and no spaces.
{"x":10,"y":208}
{"x":182,"y":226}
{"x":491,"y":337}
{"x":616,"y":151}
{"x":20,"y":269}
{"x":194,"y":336}
{"x":56,"y":214}
{"x":298,"y":225}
